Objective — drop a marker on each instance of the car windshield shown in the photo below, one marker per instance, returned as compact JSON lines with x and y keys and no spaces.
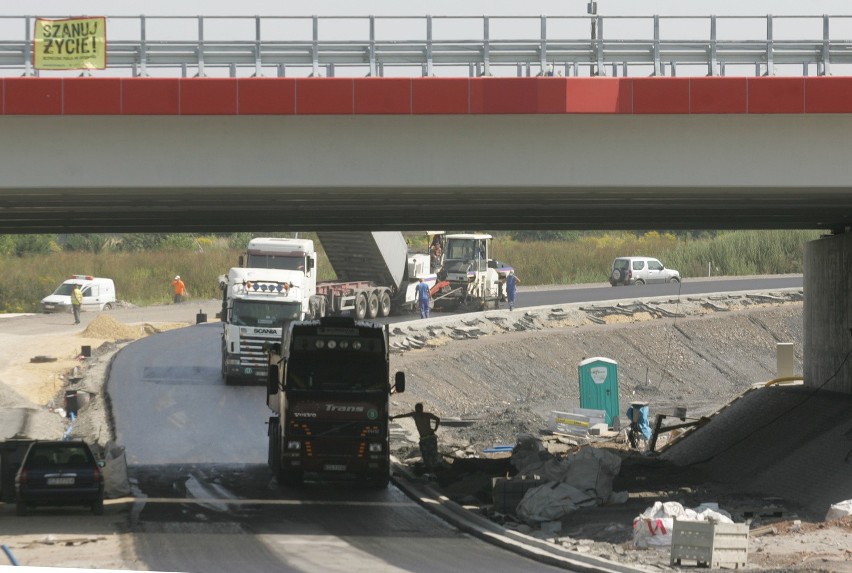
{"x":263,"y":313}
{"x":52,"y":455}
{"x":64,"y":289}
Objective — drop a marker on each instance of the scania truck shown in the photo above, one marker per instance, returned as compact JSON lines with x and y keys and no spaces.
{"x":329,"y":388}
{"x":256,"y":306}
{"x":376,"y":276}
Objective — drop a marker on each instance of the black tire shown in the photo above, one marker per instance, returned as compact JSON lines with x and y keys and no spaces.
{"x":378,"y":481}
{"x":361,"y":306}
{"x":639,"y":282}
{"x":674,"y":280}
{"x":273,"y":455}
{"x":385,"y":304}
{"x":98,"y":507}
{"x":372,"y":305}
{"x":21,"y":508}
{"x":108,"y":306}
{"x":227,"y":379}
{"x":616,"y":276}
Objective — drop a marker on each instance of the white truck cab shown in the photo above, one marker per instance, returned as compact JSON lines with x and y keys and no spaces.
{"x":98,"y":294}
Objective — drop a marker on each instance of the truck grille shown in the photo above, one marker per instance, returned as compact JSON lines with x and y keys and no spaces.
{"x":251,"y":350}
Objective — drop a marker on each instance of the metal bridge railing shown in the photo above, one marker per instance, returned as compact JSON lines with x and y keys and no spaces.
{"x":455,"y":45}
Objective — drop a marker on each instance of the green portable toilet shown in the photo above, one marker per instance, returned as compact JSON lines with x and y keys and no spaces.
{"x":599,"y":386}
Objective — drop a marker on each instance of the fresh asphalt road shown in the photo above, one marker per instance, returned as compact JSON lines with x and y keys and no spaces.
{"x":540,"y":296}
{"x":197,"y":451}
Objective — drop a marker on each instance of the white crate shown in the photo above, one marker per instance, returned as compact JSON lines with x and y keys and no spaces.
{"x":710,"y":544}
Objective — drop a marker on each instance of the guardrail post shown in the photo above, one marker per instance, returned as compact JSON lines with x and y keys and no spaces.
{"x":315,"y":73}
{"x":824,"y":67}
{"x":658,"y":66}
{"x":543,"y":47}
{"x":429,"y":71}
{"x":770,"y":47}
{"x":713,"y":63}
{"x":372,"y":46}
{"x":486,"y":47}
{"x":143,"y":46}
{"x":28,"y":44}
{"x":258,"y":66}
{"x":601,"y":71}
{"x":200,"y":51}
{"x":282,"y":71}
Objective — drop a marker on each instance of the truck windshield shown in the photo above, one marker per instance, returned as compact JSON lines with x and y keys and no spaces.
{"x":276,"y":262}
{"x":337,"y":371}
{"x":261,"y":313}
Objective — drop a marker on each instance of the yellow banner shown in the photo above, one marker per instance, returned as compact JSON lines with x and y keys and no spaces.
{"x":72,"y":44}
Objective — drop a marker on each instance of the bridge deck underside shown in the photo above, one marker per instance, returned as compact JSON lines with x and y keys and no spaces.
{"x":306,"y":209}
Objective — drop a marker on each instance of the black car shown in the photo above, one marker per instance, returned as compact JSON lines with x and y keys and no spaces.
{"x":59,"y":473}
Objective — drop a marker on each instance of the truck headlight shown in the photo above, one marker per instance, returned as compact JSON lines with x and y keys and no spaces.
{"x":294,"y":445}
{"x":375,"y":448}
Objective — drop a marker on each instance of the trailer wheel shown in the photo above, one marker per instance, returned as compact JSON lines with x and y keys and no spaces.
{"x":361,"y":306}
{"x":385,"y":304}
{"x":228,"y":380}
{"x":372,"y":305}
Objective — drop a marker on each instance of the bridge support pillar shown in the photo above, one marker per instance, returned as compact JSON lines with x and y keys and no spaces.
{"x":828,"y":313}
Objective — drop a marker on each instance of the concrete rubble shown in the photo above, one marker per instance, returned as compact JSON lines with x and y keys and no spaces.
{"x":439,"y":328}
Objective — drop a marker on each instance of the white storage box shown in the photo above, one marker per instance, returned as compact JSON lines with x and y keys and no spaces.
{"x":710,"y":544}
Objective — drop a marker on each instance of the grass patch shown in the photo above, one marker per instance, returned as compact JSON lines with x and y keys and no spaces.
{"x":144,"y":277}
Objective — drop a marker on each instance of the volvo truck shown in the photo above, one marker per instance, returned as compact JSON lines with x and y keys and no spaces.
{"x":329,"y":390}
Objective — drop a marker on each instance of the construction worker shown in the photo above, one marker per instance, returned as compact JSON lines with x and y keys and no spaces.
{"x":179,"y":288}
{"x":428,"y":439}
{"x":76,"y":302}
{"x":511,"y":288}
{"x":423,"y":296}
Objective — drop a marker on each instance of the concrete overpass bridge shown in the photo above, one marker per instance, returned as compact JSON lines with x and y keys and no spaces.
{"x":181,"y":154}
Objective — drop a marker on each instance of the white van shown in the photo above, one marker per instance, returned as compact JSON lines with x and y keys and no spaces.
{"x":98,"y":294}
